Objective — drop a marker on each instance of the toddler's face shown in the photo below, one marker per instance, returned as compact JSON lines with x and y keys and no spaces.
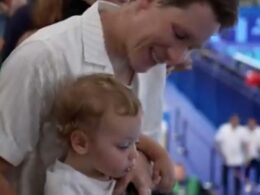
{"x":113,"y":151}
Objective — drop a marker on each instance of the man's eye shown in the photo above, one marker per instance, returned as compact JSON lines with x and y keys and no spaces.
{"x":180,"y":36}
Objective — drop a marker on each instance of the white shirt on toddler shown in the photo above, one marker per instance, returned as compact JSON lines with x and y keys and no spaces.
{"x":62,"y":179}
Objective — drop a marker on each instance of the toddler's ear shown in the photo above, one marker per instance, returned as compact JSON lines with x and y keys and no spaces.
{"x":79,"y":142}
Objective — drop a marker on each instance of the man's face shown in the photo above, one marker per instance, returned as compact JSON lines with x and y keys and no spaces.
{"x":252,"y":124}
{"x":113,"y":151}
{"x":234,"y":121}
{"x":160,"y":34}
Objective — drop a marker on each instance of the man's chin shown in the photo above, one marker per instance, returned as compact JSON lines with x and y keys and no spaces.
{"x":142,"y":69}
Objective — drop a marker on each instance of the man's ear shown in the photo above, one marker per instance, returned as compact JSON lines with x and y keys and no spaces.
{"x":79,"y":142}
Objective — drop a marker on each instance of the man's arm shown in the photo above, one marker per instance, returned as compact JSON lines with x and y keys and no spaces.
{"x":21,"y":107}
{"x":150,"y":148}
{"x":219,"y":149}
{"x":22,"y":84}
{"x":142,"y":174}
{"x":162,"y":173}
{"x":5,"y":187}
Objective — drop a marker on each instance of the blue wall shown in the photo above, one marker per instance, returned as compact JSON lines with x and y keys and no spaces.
{"x":217,"y":93}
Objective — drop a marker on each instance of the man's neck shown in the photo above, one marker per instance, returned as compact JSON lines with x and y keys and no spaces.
{"x":114,"y":36}
{"x":123,"y":71}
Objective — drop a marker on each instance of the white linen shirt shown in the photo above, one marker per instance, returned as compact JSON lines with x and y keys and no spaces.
{"x":231,"y":144}
{"x":62,"y":179}
{"x":28,"y":81}
{"x":252,"y":140}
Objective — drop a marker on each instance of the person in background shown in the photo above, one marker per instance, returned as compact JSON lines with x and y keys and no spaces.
{"x":230,"y":145}
{"x":6,"y":6}
{"x":37,"y":14}
{"x":4,"y":14}
{"x":252,"y":153}
{"x":16,"y":4}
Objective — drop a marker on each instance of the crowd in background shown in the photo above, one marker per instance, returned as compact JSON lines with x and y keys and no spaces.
{"x":19,"y":19}
{"x":239,"y":147}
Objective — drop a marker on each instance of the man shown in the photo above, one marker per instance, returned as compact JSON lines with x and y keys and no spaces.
{"x":252,"y":142}
{"x":230,"y":145}
{"x":106,"y":38}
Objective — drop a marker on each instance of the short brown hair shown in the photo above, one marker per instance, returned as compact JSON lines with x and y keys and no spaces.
{"x":81,"y":103}
{"x":225,"y":10}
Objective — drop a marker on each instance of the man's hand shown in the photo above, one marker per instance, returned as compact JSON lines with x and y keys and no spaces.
{"x":140,"y":176}
{"x":163,"y":169}
{"x":122,"y":184}
{"x":5,"y":187}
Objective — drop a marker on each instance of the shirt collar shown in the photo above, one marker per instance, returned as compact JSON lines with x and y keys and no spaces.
{"x":92,"y":34}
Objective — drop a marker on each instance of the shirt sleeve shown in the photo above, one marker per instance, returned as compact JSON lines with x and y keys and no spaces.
{"x":22,"y":81}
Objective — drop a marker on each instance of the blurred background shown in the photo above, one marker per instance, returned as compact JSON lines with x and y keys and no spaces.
{"x":224,"y":81}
